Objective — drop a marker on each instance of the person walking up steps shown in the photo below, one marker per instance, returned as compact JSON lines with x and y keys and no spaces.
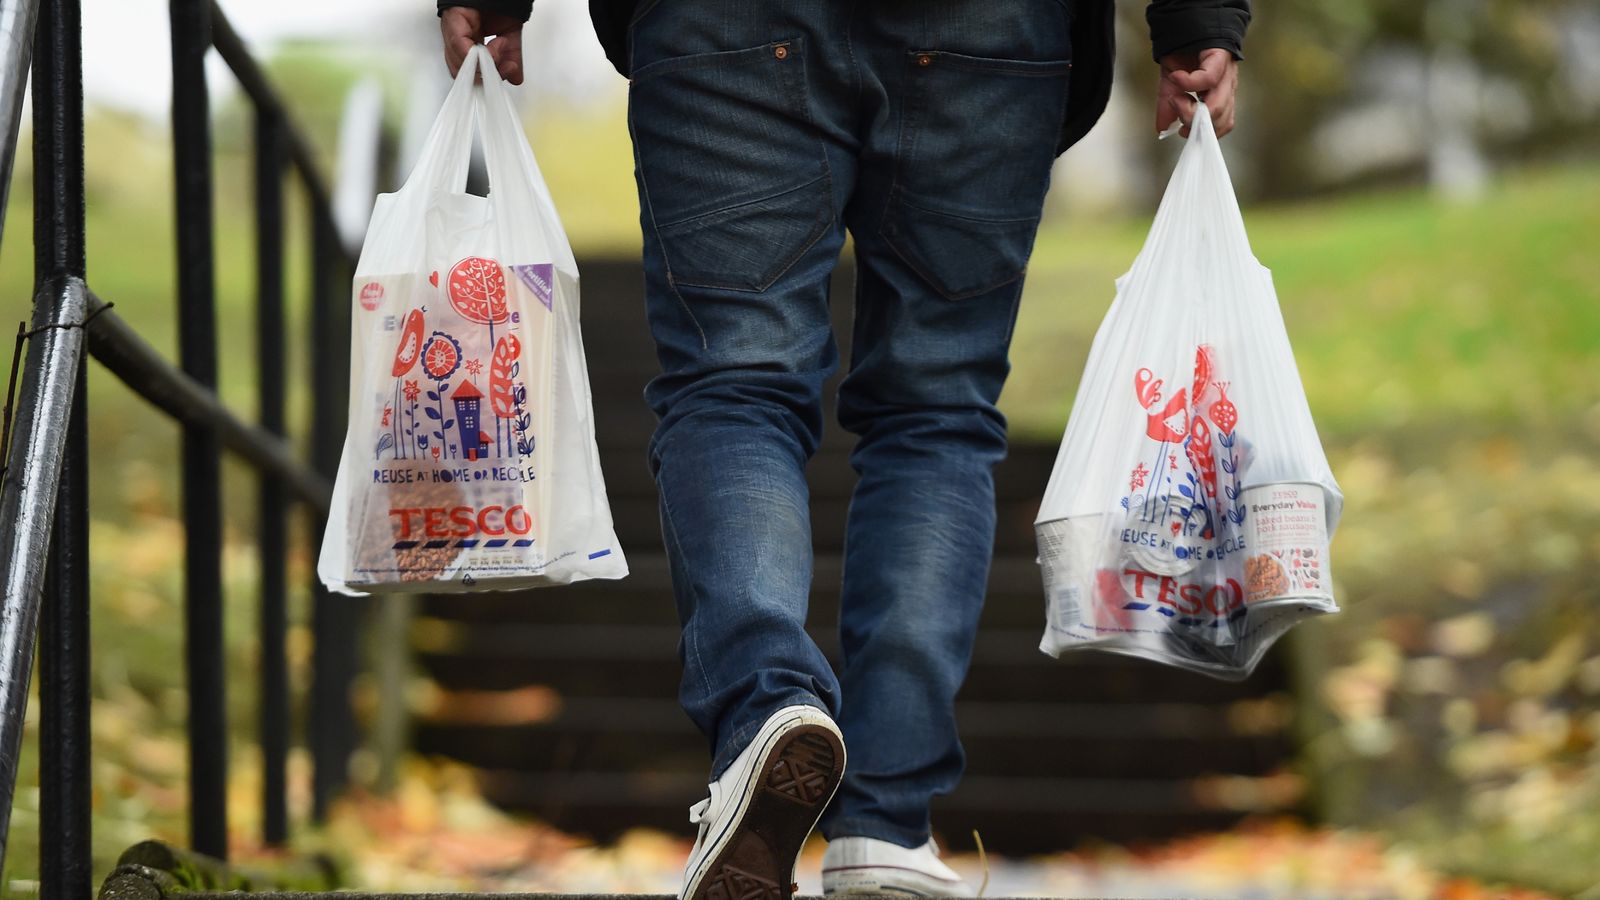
{"x":763,"y":133}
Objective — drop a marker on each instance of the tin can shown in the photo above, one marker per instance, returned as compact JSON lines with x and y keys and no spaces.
{"x":1069,"y":550}
{"x":1286,"y":541}
{"x":1154,"y":537}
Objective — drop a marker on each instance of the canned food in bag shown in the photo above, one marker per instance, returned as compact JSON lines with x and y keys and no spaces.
{"x":1287,"y":537}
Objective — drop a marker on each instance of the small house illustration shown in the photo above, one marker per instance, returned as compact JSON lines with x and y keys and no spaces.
{"x":467,"y":399}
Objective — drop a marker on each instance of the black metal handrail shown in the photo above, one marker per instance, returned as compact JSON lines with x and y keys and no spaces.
{"x":44,"y":506}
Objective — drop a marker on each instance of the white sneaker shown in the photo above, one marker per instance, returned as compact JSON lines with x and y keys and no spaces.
{"x":861,"y":865}
{"x":763,"y":807}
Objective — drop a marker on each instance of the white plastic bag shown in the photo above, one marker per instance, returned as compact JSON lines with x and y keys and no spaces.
{"x":1188,"y":515}
{"x":470,"y":461}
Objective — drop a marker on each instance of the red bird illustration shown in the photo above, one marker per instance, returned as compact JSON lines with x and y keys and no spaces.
{"x":1167,"y":423}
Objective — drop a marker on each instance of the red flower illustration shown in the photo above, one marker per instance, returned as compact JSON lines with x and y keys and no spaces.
{"x":1137,"y":481}
{"x":412,"y":391}
{"x":441,"y":356}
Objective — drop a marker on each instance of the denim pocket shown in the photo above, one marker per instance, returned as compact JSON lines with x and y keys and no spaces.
{"x":976,"y":145}
{"x":749,"y":246}
{"x":734,"y":172}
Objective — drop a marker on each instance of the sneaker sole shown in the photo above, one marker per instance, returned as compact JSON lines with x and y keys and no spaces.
{"x":879,"y":884}
{"x":798,"y":778}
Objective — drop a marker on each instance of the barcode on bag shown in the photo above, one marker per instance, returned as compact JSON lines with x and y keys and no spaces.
{"x":1068,"y":612}
{"x":1051,"y":542}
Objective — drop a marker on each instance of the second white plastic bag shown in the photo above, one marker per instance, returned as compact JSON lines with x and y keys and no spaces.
{"x":1188,"y":516}
{"x":470,"y":460}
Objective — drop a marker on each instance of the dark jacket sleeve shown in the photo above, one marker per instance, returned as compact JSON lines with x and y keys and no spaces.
{"x":519,"y":9}
{"x":1189,"y":26}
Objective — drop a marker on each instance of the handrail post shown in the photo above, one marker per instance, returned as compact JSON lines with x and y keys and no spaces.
{"x":65,"y":787}
{"x":334,"y":619}
{"x":50,"y":379}
{"x":202,"y":475}
{"x":273,"y":721}
{"x":16,"y":45}
{"x":65,"y":856}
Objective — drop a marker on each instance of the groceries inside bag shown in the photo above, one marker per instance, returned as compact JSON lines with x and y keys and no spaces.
{"x":1188,"y":516}
{"x":470,"y":459}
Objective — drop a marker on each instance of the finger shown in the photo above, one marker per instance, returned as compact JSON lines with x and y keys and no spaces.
{"x":1165,"y":116}
{"x":459,"y":28}
{"x":1216,"y":63}
{"x":1221,"y":112}
{"x":1211,"y":73}
{"x":456,"y":52}
{"x":506,"y":51}
{"x":1221,"y":103}
{"x":1165,"y":113}
{"x":1176,"y":108}
{"x":1198,"y":80}
{"x":1183,"y":108}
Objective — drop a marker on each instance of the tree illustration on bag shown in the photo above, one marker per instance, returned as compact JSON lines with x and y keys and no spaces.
{"x":477,"y":290}
{"x":1226,"y":416}
{"x":507,"y":396}
{"x":1202,"y":491}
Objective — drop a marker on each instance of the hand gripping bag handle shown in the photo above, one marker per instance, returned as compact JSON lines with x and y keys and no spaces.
{"x":513,"y":174}
{"x":1199,"y":212}
{"x":447,"y":151}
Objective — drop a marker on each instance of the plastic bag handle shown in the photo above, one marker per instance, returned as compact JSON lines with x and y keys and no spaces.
{"x":447,"y":151}
{"x":487,"y":108}
{"x":504,"y":144}
{"x":1220,"y":197}
{"x":1175,"y":213}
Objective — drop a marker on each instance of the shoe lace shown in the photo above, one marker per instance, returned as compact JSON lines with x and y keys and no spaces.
{"x":983,"y":860}
{"x":701,"y":813}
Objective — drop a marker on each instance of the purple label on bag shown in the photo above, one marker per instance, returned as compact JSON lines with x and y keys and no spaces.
{"x":540,"y":278}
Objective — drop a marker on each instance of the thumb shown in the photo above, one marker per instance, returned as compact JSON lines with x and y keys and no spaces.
{"x":1213,"y":65}
{"x":506,"y":51}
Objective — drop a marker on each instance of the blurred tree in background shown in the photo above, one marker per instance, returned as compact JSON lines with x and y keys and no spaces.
{"x":1384,"y":83}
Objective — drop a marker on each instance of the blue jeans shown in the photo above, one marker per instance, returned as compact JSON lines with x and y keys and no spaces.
{"x":763,"y":133}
